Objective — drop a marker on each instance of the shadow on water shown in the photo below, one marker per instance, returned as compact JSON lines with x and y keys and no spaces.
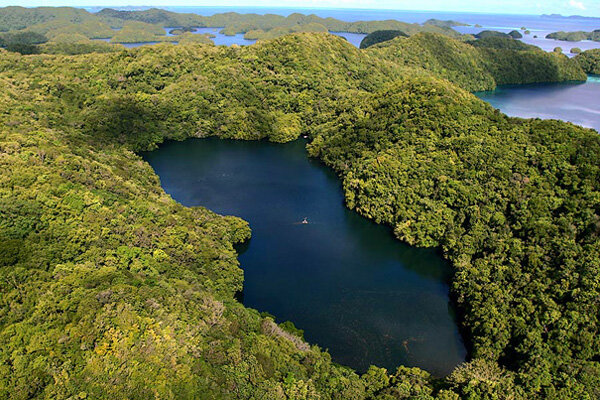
{"x":575,"y":102}
{"x":416,"y":259}
{"x":346,"y":281}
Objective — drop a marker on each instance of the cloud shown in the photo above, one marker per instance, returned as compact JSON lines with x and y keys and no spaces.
{"x":577,"y":4}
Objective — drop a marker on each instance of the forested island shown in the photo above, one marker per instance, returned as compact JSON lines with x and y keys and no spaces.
{"x":111,"y":289}
{"x":589,"y":61}
{"x":575,"y":36}
{"x":60,"y":25}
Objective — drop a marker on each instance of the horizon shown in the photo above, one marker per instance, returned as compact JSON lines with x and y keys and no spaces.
{"x":566,"y":8}
{"x":114,"y":7}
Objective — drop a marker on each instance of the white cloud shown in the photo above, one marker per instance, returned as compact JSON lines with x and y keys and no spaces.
{"x":577,"y":4}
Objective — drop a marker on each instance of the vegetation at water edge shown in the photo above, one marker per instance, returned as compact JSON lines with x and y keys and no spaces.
{"x":111,"y":289}
{"x":379,"y":37}
{"x":589,"y":61}
{"x":122,"y":26}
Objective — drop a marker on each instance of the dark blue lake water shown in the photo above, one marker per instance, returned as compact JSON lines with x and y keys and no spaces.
{"x":574,"y":102}
{"x":346,"y":281}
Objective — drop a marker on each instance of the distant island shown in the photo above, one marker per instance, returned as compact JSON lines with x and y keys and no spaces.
{"x":444,"y":23}
{"x":575,"y":36}
{"x":488,"y":34}
{"x":379,"y":37}
{"x":589,"y":61}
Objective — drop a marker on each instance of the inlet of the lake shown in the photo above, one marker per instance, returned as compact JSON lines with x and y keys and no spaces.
{"x":347,"y":282}
{"x":575,"y":102}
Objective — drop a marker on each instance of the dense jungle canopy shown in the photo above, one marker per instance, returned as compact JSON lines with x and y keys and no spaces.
{"x":110,"y":289}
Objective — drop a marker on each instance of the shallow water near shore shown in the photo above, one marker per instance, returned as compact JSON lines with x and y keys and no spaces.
{"x":347,"y":282}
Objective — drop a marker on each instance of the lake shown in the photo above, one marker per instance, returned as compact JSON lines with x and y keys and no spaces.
{"x":573,"y":102}
{"x":346,"y":281}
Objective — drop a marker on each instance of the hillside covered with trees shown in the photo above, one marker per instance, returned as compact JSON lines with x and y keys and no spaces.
{"x":110,"y":289}
{"x":589,"y":61}
{"x":379,"y":37}
{"x":482,"y":64}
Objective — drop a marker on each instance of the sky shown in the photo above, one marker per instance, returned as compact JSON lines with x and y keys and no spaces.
{"x":565,"y":7}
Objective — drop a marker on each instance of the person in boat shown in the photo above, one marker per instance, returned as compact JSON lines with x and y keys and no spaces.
{"x":305,"y":220}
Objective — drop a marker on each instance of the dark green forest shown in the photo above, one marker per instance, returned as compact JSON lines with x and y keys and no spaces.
{"x":110,"y":289}
{"x":379,"y":37}
{"x":489,"y":34}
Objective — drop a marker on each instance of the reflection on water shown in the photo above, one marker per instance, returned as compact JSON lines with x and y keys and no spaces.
{"x":346,"y":281}
{"x":573,"y":102}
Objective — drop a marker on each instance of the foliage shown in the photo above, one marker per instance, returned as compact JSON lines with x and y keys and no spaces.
{"x":141,"y":24}
{"x":179,"y":31}
{"x":139,"y":32}
{"x":110,"y":289}
{"x":67,"y":38}
{"x":259,"y":34}
{"x":16,"y":18}
{"x":22,"y":42}
{"x":502,"y":43}
{"x":575,"y":36}
{"x":242,"y":23}
{"x":444,"y":24}
{"x":153,"y":16}
{"x":22,"y":38}
{"x":67,"y":47}
{"x":379,"y":37}
{"x":188,"y":37}
{"x":510,"y":202}
{"x":91,"y":29}
{"x":589,"y":60}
